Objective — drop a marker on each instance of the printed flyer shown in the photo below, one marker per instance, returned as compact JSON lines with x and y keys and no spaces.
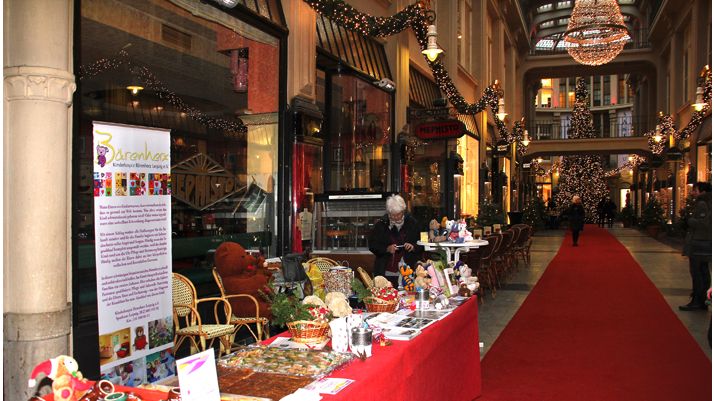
{"x":132,"y":220}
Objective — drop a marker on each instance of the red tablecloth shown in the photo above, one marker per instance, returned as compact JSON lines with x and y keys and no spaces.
{"x":442,"y":363}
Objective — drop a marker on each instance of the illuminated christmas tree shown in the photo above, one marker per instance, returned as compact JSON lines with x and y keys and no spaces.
{"x":582,"y":175}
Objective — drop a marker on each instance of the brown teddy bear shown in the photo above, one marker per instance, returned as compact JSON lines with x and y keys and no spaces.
{"x":242,"y":273}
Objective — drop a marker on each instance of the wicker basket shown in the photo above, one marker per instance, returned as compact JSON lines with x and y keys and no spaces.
{"x":308,"y":331}
{"x":379,"y":305}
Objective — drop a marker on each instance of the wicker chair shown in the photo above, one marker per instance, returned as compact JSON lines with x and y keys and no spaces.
{"x":488,"y":268}
{"x":187,"y":320}
{"x":262,"y":328}
{"x":522,"y":245}
{"x":324,"y":264}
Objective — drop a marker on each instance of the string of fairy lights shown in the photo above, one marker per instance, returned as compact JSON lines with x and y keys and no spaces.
{"x":149,"y":81}
{"x":415,"y":17}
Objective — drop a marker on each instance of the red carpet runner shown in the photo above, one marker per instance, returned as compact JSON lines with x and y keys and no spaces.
{"x":595,"y":328}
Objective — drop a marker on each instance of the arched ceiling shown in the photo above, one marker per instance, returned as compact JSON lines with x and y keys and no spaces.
{"x":547,"y":20}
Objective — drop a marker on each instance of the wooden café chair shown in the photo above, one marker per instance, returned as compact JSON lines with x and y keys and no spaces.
{"x":188,"y":323}
{"x":262,"y":328}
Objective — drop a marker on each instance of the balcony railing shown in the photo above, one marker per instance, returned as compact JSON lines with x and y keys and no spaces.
{"x":548,"y":129}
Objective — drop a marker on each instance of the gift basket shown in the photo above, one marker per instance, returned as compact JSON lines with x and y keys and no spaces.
{"x":308,"y":331}
{"x":384,"y":299}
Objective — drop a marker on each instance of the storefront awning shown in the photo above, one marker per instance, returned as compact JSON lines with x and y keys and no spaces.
{"x":469,"y":121}
{"x":422,"y":90}
{"x":422,"y":93}
{"x":360,"y":52}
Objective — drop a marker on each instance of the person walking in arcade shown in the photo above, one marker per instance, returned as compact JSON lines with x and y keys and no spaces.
{"x":576,"y":218}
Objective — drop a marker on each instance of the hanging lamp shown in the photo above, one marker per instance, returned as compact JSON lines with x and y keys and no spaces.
{"x":596,"y":32}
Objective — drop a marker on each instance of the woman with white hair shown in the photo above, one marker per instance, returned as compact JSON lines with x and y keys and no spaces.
{"x":394,"y":237}
{"x":576,"y":218}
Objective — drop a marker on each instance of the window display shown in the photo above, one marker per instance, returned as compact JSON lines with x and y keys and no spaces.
{"x":209,"y":78}
{"x":360,"y":135}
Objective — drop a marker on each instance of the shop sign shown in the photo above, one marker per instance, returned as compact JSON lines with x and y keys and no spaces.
{"x":442,"y":129}
{"x":201,"y":182}
{"x":502,"y":148}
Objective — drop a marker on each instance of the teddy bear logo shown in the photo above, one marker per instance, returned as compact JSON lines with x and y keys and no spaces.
{"x":102,"y":155}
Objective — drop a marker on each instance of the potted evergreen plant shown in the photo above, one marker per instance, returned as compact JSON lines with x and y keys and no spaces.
{"x":626,"y":216}
{"x":489,"y":214}
{"x":652,"y":220}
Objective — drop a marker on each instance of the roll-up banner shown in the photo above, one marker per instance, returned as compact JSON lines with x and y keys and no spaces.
{"x":132,"y":221}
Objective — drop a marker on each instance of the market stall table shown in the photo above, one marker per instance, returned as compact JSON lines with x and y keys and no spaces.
{"x":442,"y":363}
{"x":448,"y":246}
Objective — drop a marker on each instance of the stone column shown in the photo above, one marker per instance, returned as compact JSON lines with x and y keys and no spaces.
{"x":39,"y":85}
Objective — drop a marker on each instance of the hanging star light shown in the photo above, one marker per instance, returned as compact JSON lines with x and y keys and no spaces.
{"x":596,"y":32}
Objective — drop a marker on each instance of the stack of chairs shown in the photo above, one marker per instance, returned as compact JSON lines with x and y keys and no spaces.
{"x":495,"y":263}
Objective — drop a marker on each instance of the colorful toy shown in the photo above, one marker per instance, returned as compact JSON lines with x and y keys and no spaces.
{"x":68,"y":384}
{"x":435,"y":232}
{"x":464,"y":233}
{"x":407,"y":275}
{"x":423,"y":279}
{"x":466,"y":278}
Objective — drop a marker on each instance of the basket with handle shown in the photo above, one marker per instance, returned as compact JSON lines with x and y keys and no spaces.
{"x":374,"y":304}
{"x":308,"y":331}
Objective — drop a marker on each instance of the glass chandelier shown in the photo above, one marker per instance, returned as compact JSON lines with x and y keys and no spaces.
{"x":596,"y":32}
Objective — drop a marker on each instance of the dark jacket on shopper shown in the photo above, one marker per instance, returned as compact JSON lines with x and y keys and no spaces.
{"x":382,"y":236}
{"x":576,"y":216}
{"x":698,"y":241}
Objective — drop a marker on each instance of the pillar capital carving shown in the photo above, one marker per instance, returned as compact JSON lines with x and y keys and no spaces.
{"x":39,"y":83}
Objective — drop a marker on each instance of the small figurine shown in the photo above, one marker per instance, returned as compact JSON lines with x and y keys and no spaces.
{"x":464,"y":233}
{"x":423,"y":279}
{"x":407,"y":275}
{"x":435,"y":232}
{"x":471,"y":282}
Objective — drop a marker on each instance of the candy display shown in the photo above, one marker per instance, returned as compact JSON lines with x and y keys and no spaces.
{"x":287,"y":361}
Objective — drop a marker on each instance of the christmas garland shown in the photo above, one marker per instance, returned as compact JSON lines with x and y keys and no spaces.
{"x":415,"y":17}
{"x":151,"y":82}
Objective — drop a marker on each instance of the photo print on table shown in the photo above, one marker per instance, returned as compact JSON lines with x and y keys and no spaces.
{"x":141,"y":341}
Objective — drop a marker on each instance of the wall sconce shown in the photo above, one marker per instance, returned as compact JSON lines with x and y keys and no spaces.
{"x":526,"y":141}
{"x":699,"y":104}
{"x":501,"y":109}
{"x":239,"y":69}
{"x":658,"y":134}
{"x":432,"y":50}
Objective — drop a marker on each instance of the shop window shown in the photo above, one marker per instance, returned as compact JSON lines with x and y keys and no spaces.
{"x":214,"y":85}
{"x":360,"y":132}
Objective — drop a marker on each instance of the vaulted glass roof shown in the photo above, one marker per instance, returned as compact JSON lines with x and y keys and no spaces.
{"x":548,"y":19}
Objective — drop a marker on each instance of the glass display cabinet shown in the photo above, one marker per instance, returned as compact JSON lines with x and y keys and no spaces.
{"x":342,"y":221}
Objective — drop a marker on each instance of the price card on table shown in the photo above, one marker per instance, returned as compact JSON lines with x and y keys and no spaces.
{"x":198,"y":378}
{"x":329,"y":385}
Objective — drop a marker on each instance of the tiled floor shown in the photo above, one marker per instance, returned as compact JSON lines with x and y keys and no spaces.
{"x":663,"y":264}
